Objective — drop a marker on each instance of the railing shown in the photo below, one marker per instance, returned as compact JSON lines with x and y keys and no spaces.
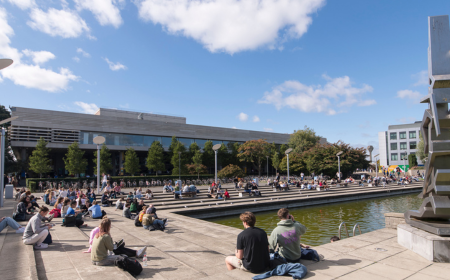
{"x":340,"y":226}
{"x":354,"y":229}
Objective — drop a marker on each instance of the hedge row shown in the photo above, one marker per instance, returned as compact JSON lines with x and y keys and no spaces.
{"x":33,"y":182}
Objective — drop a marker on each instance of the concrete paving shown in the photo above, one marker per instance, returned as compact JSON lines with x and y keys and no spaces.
{"x":195,"y":249}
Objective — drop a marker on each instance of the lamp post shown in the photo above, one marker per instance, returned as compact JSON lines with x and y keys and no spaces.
{"x":179,"y":166}
{"x":339,"y":164}
{"x":267,"y":167}
{"x":5,"y":62}
{"x":215,"y":149}
{"x":99,"y":140}
{"x":287,"y":154}
{"x":376,"y":165}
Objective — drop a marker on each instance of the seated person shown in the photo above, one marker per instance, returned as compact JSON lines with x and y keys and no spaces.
{"x":22,"y":213}
{"x":79,"y":217}
{"x":138,"y":193}
{"x":101,"y":244}
{"x":140,"y":205}
{"x":167,"y":189}
{"x":149,"y":194}
{"x":255,"y":190}
{"x":119,"y":204}
{"x":150,"y":220}
{"x":287,"y":236}
{"x":226,"y":194}
{"x":105,"y":199}
{"x":130,"y":195}
{"x":7,"y":221}
{"x":119,"y":248}
{"x":36,"y":232}
{"x":96,"y":210}
{"x":186,"y":189}
{"x":177,"y":189}
{"x":126,"y":211}
{"x":247,"y":189}
{"x":85,"y":208}
{"x":193,"y":188}
{"x":252,"y":251}
{"x":66,"y":205}
{"x":133,"y":206}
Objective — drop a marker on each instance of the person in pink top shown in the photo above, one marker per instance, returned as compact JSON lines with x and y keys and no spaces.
{"x":91,"y":238}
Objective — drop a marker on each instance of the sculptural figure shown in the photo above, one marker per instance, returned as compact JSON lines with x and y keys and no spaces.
{"x":434,"y":213}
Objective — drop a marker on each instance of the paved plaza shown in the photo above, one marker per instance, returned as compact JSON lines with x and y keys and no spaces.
{"x":191,"y":248}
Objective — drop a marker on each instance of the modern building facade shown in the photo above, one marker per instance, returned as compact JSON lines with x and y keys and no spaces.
{"x":122,"y":129}
{"x":397,"y":143}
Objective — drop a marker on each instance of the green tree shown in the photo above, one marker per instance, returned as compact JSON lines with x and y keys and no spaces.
{"x":421,"y":154}
{"x":74,"y":161}
{"x":412,"y":160}
{"x":303,"y":140}
{"x":196,"y":167}
{"x":276,"y":161}
{"x":193,"y":148}
{"x":255,"y":152}
{"x":131,"y":164}
{"x":39,"y":161}
{"x":223,"y":157}
{"x":105,"y":160}
{"x":208,"y":155}
{"x":155,"y":157}
{"x":230,"y":171}
{"x":179,"y":160}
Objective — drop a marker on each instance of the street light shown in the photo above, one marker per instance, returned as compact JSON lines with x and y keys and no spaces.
{"x":179,"y":166}
{"x":216,"y":148}
{"x":287,"y":154}
{"x":339,"y":164}
{"x":2,"y":156}
{"x":376,"y":164}
{"x":267,"y":167}
{"x":5,"y":62}
{"x":99,"y":140}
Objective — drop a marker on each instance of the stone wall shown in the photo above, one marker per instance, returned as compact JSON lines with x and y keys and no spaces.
{"x":394,"y":219}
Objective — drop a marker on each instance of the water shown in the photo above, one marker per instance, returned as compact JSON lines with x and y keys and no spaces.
{"x":323,"y":221}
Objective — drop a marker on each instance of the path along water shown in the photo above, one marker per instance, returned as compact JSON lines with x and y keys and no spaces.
{"x":323,"y":221}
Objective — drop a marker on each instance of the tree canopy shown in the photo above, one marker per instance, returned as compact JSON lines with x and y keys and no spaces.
{"x":196,"y":167}
{"x":131,"y":164}
{"x":74,"y":161}
{"x":155,"y":157}
{"x":255,"y":152}
{"x":230,"y":171}
{"x":105,"y":160}
{"x":39,"y":161}
{"x":421,"y":149}
{"x":303,"y":140}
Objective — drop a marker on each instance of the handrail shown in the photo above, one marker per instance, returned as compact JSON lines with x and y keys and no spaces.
{"x":354,"y":229}
{"x":340,"y":226}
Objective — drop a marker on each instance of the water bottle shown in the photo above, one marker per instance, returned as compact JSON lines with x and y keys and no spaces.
{"x":145,"y":260}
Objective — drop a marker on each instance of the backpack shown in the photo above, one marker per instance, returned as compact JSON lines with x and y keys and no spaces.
{"x":310,"y":254}
{"x":132,"y":266}
{"x":69,"y":221}
{"x":137,"y":222}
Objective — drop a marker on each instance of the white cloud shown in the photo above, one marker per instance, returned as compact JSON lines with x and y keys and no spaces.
{"x":83,"y":53}
{"x":410,"y":95}
{"x":76,"y":59}
{"x":421,"y":78}
{"x":232,"y":25}
{"x":115,"y":66}
{"x":367,"y":102}
{"x":234,"y":127}
{"x":40,"y":57}
{"x":243,"y":117}
{"x":256,"y":119}
{"x":337,"y":93}
{"x":29,"y":75}
{"x":88,"y":108}
{"x":64,"y":23}
{"x":105,"y":11}
{"x":23,"y":4}
{"x":267,"y":129}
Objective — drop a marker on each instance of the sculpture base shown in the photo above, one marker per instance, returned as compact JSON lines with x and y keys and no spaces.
{"x":432,"y":247}
{"x":437,"y":227}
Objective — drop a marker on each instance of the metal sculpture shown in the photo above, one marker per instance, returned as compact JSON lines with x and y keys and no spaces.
{"x":370,"y":149}
{"x":434,"y":213}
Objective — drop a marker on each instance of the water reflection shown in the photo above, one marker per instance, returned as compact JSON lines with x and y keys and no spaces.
{"x":323,"y":221}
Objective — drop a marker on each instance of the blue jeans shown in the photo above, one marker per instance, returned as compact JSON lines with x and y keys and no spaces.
{"x":8,"y":222}
{"x":103,"y":186}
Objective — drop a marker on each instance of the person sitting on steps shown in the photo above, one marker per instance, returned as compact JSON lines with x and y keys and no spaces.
{"x":35,"y":232}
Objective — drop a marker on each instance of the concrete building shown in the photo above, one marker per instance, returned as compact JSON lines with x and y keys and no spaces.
{"x":397,"y":143}
{"x":122,"y":129}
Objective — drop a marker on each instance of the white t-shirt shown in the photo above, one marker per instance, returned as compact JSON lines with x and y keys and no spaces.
{"x":63,"y":193}
{"x":105,"y":179}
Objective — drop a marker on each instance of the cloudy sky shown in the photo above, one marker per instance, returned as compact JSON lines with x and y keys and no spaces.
{"x":346,"y":68}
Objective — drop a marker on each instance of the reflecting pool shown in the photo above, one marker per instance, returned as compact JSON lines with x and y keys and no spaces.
{"x":323,"y":221}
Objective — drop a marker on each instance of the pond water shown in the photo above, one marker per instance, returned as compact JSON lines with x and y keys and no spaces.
{"x":323,"y":221}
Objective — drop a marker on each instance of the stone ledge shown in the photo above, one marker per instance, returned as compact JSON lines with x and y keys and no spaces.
{"x":32,"y":260}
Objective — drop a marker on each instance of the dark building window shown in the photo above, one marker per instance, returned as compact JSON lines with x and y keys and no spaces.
{"x":412,"y":135}
{"x":402,"y":135}
{"x":393,"y":146}
{"x":412,"y":145}
{"x":393,"y":135}
{"x":394,"y":156}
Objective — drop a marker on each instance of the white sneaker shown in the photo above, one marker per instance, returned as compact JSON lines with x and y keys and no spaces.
{"x":166,"y":223}
{"x":41,"y":246}
{"x":140,"y":253}
{"x":20,"y":230}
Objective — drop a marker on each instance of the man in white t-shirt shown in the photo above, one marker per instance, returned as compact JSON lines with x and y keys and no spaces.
{"x":62,"y":192}
{"x":104,"y":180}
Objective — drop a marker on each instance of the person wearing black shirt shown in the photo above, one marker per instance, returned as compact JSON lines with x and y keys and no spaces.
{"x":252,"y":249}
{"x":105,"y":199}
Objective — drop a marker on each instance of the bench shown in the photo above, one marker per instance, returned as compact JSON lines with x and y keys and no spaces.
{"x":190,"y":194}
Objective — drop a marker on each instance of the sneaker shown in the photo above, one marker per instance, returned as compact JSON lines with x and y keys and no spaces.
{"x":51,"y":217}
{"x":166,"y":222}
{"x":41,"y":246}
{"x":140,"y":253}
{"x":20,"y":230}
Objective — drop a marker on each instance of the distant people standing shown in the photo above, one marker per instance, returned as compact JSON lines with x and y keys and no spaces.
{"x":302,"y":175}
{"x":104,"y":181}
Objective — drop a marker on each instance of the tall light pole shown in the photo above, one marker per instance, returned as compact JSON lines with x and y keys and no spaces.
{"x":287,"y":154}
{"x":216,"y":149}
{"x":376,"y":164}
{"x":267,"y":167}
{"x":179,"y":167}
{"x":339,"y":164}
{"x":99,"y":140}
{"x":5,"y":62}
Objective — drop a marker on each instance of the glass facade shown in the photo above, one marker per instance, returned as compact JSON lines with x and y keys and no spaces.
{"x":394,"y":156}
{"x":412,"y":145}
{"x":393,"y":146}
{"x":403,"y":156}
{"x":402,"y":135}
{"x":403,"y":146}
{"x":393,"y":136}
{"x":412,"y":135}
{"x":141,"y":140}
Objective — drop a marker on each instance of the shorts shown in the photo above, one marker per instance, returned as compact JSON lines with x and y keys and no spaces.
{"x":237,"y":263}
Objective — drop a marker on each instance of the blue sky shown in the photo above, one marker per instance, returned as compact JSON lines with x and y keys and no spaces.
{"x":347,"y":69}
